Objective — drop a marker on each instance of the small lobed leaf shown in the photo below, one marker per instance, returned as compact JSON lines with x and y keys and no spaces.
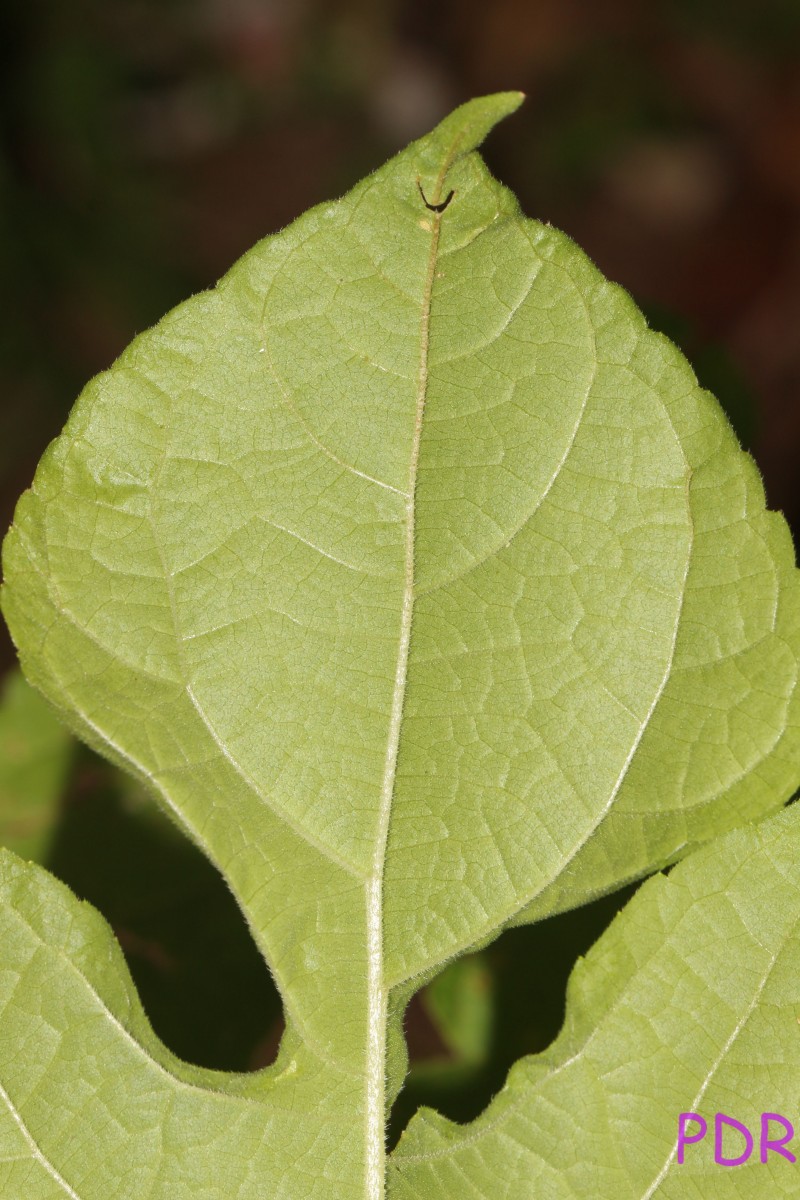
{"x":429,"y":594}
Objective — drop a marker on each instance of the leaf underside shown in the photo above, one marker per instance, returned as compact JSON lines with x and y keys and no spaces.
{"x":429,"y":594}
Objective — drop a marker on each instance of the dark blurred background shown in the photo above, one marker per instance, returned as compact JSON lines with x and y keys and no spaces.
{"x":145,"y":144}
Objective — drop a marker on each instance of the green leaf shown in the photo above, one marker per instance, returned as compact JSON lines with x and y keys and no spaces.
{"x":461,"y":1002}
{"x":689,"y":1003}
{"x":204,"y":986}
{"x":35,"y":756}
{"x":430,"y":595}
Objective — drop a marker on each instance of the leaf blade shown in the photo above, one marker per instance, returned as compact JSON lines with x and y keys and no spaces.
{"x":379,"y":564}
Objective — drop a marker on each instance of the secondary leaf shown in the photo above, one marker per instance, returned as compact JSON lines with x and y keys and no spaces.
{"x":689,"y":1003}
{"x":430,"y":594}
{"x":35,"y":755}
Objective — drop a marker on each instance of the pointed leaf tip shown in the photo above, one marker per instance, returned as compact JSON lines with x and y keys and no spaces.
{"x":466,"y":127}
{"x":473,"y":121}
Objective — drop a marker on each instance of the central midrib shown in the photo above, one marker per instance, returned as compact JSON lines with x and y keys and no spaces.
{"x":377,"y":995}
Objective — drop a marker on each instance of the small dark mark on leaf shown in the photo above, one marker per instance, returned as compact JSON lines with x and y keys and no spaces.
{"x":436,"y":207}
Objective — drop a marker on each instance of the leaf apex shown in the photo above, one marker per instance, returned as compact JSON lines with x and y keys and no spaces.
{"x":468,"y":125}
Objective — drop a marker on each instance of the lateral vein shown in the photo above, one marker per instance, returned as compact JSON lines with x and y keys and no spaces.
{"x":42,"y":1159}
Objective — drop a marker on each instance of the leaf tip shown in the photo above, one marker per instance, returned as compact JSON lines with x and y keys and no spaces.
{"x":467,"y":127}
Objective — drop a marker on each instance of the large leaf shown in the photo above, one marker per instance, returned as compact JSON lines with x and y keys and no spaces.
{"x":430,"y":595}
{"x":688,"y":1004}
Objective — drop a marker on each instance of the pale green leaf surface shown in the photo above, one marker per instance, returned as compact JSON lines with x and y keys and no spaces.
{"x":689,"y":1003}
{"x":430,"y":594}
{"x":35,"y":755}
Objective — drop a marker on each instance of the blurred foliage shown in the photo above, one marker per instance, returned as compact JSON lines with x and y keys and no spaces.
{"x":145,"y":144}
{"x":35,"y":757}
{"x":770,"y":29}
